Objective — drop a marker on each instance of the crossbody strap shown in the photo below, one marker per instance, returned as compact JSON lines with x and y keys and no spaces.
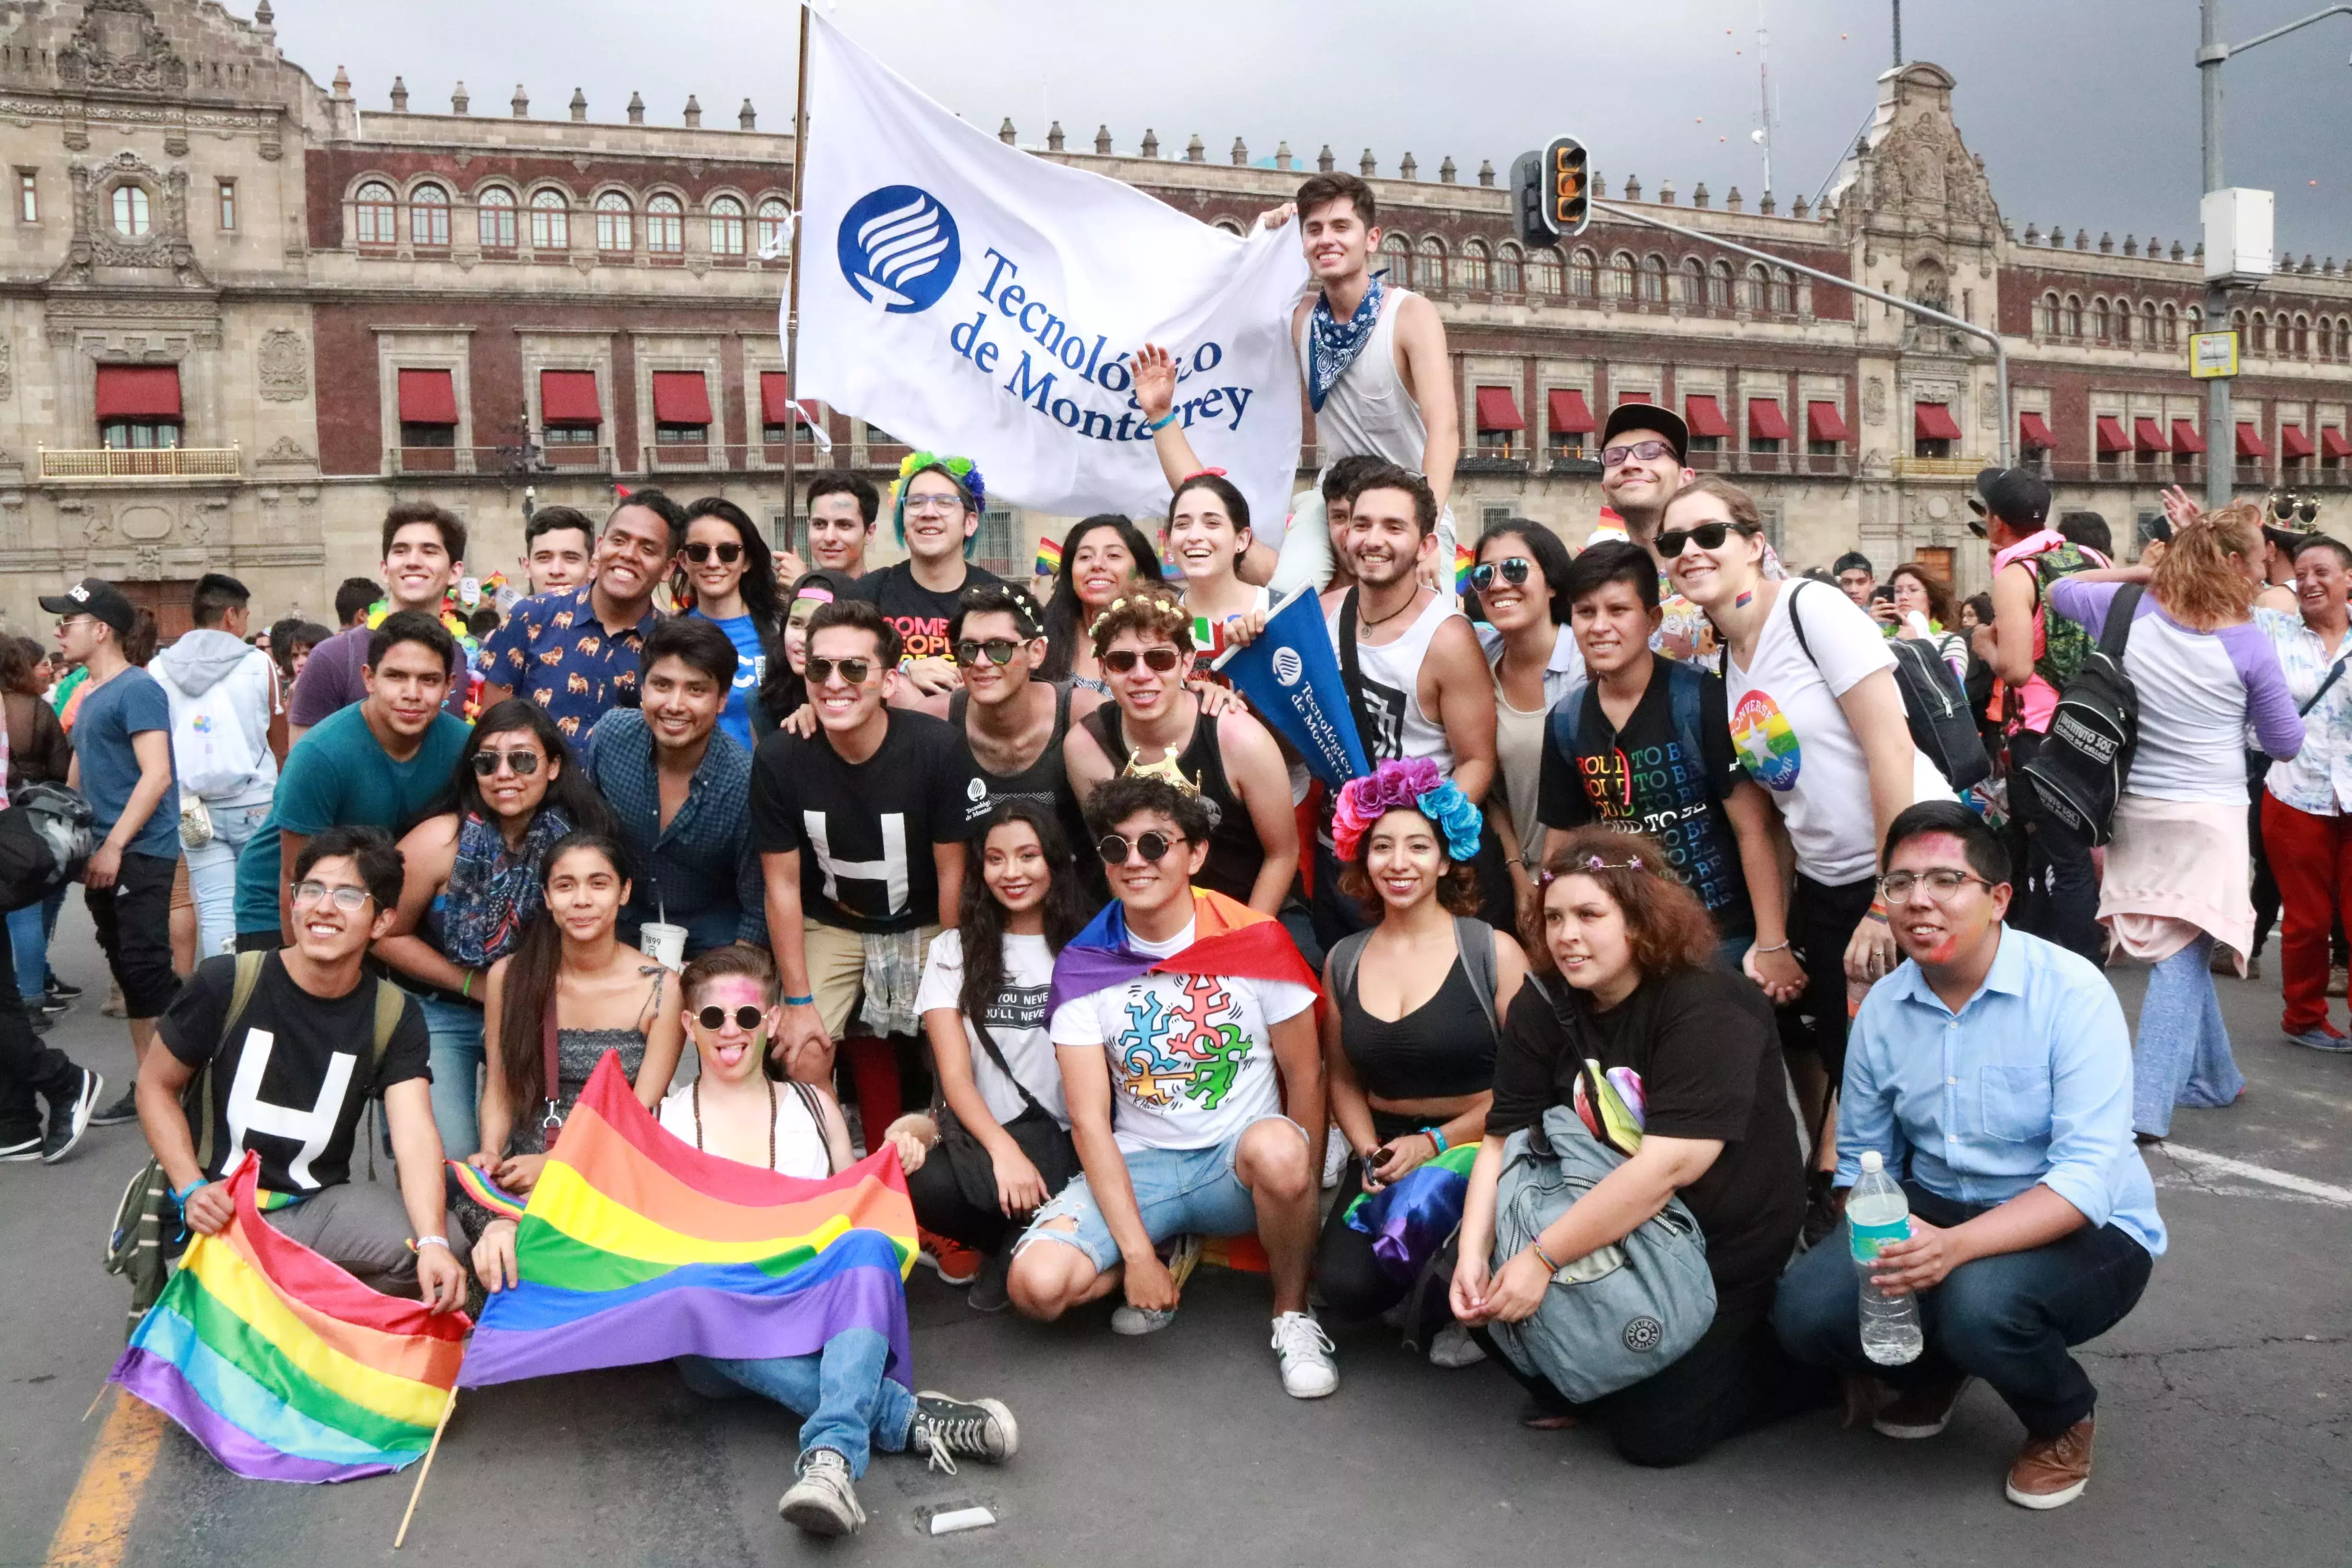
{"x":1351,"y":667}
{"x":988,"y":1043}
{"x":2335,"y":671}
{"x":816,"y":1108}
{"x":1476,"y":938}
{"x":2122,"y":611}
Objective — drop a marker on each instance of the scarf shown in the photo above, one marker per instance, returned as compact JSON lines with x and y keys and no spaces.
{"x":493,"y":890}
{"x":1332,"y":345}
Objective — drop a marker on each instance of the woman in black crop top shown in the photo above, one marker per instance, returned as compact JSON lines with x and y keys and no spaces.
{"x":1409,"y":1049}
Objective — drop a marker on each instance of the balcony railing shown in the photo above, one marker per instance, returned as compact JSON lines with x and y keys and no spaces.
{"x":1938,"y":468}
{"x":697,"y":456}
{"x":143,"y":463}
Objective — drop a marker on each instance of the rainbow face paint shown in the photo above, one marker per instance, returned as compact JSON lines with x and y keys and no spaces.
{"x":1744,"y":600}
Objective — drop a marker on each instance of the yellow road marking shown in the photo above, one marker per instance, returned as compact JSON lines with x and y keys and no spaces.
{"x":96,"y":1529}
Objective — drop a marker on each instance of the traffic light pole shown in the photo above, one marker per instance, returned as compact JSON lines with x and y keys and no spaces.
{"x":2000,"y":349}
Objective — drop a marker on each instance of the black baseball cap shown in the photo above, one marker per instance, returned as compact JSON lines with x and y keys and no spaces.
{"x":96,"y":597}
{"x":2019,"y":497}
{"x":1648,"y":416}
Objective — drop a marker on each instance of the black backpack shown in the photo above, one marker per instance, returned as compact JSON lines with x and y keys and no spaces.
{"x":44,"y":842}
{"x":2080,"y":770}
{"x":1935,"y":704}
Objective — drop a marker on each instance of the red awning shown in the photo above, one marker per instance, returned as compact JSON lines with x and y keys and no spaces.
{"x":680,"y":398}
{"x":138,"y":391}
{"x":2112,"y":439}
{"x":2033,"y":430}
{"x":1933,"y":422}
{"x":427,"y":397}
{"x":2294,"y":443}
{"x":775,"y":398}
{"x":569,"y":398}
{"x":2185,"y":437}
{"x":2148,"y":434}
{"x":1569,"y":413}
{"x":1705,"y":416}
{"x":2332,"y":443}
{"x":1624,"y":398}
{"x":1764,"y":420}
{"x":2251,"y":443}
{"x":1825,"y":422}
{"x":1498,"y":410}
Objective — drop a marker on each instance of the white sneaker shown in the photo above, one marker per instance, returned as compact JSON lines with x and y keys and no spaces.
{"x":823,"y":1501}
{"x":1452,"y":1349}
{"x":1182,"y":1256}
{"x":1334,"y":1158}
{"x":1305,"y":1352}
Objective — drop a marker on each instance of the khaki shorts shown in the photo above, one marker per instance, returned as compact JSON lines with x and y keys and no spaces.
{"x":838,"y":973}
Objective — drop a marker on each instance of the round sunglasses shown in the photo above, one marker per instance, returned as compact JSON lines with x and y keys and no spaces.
{"x":1513,"y":572}
{"x":1122,"y":660}
{"x":486,"y":763}
{"x":1152,"y":846}
{"x":1706,"y":536}
{"x":747,"y":1017}
{"x":728,"y":554}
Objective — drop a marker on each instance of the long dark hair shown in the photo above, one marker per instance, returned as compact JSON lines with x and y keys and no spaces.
{"x":584,"y":806}
{"x":982,"y":918}
{"x":528,"y":986}
{"x":784,"y":690}
{"x":762,"y":599}
{"x":1063,"y":609}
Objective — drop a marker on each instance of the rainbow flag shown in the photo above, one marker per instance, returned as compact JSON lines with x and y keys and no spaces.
{"x":1228,"y":937}
{"x":1463,"y":559}
{"x":284,"y":1366}
{"x":501,"y":1203}
{"x":1049,"y":557}
{"x":637,"y":1248}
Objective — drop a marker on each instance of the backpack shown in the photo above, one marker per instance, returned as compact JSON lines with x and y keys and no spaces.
{"x":1685,"y":683}
{"x":2065,"y":643}
{"x":213,"y":752}
{"x":46,"y":839}
{"x":136,"y":1247}
{"x":2080,"y":770}
{"x":1475,"y":937}
{"x":1935,"y":705}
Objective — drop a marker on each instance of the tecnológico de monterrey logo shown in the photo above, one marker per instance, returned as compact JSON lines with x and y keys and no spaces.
{"x":899,"y":248}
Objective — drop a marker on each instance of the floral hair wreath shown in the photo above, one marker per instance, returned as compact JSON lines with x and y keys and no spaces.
{"x":1589,"y":863}
{"x":1167,"y":613}
{"x":1410,"y":785}
{"x":962,"y":471}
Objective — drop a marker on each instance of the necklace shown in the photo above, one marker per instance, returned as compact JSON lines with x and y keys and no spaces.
{"x":696,"y":1096}
{"x":1365,"y":626}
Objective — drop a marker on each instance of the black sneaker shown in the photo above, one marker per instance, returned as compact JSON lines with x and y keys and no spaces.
{"x":69,"y":1121}
{"x":51,"y":1005}
{"x":16,"y":1148}
{"x":990,"y":1293}
{"x":976,"y":1429}
{"x":39,"y":1023}
{"x":59,"y":988}
{"x":123,"y":1110}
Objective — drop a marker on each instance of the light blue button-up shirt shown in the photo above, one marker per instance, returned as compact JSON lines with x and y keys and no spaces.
{"x":2030,"y":1082}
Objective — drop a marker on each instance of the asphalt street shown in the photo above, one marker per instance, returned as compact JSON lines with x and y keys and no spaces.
{"x":2225,"y":1420}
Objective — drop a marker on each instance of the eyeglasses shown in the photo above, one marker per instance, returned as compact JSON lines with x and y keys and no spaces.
{"x":1943,"y":882}
{"x":486,"y":763}
{"x":934,"y":503}
{"x":728,"y":554}
{"x":1648,"y":451}
{"x":345,"y":898}
{"x":747,"y":1017}
{"x":1514,"y":571}
{"x":853,"y":671}
{"x":1162,"y":659}
{"x":1152,"y":846}
{"x":1706,"y":536}
{"x":999,"y":650}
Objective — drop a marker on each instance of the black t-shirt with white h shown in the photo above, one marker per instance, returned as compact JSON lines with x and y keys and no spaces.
{"x":864,"y":830}
{"x":292,"y":1082}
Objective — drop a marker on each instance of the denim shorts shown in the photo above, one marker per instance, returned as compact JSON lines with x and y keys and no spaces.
{"x":1178,"y":1192}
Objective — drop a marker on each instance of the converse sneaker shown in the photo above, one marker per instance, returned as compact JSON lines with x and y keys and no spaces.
{"x":823,"y":1501}
{"x":947,"y":1429}
{"x":1182,"y":1256}
{"x":70,"y":1119}
{"x":1452,"y":1349}
{"x":1305,"y":1352}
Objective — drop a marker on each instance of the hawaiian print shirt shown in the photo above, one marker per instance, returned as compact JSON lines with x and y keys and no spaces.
{"x":2317,"y":779}
{"x":554,"y":650}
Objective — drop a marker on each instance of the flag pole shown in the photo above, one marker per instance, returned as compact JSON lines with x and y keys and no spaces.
{"x":792,"y":415}
{"x":425,"y":1469}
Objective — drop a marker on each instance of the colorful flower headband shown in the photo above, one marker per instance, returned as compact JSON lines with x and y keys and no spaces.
{"x":962,"y":471}
{"x":1412,"y":784}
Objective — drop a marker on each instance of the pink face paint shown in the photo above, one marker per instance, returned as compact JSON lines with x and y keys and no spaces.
{"x":1744,"y":600}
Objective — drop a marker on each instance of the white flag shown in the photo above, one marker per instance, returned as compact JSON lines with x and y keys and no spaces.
{"x":970,"y":298}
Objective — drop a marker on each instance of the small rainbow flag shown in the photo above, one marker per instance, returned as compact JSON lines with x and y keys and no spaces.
{"x":501,"y":1203}
{"x":1049,"y":557}
{"x":1463,"y":561}
{"x":637,"y":1248}
{"x":284,"y":1366}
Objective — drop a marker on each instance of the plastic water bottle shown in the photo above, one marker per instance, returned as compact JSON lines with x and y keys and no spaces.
{"x":1876,"y":1213}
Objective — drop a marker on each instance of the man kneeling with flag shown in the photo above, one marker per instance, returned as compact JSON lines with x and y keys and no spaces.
{"x":1171,"y":1015}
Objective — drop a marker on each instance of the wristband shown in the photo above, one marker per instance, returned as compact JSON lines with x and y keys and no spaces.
{"x":1165,"y":420}
{"x":421,"y":1242}
{"x":1437,"y":1136}
{"x":180,"y":1196}
{"x":1545,"y":1257}
{"x":800,"y":1001}
{"x":466,"y":986}
{"x":1782,"y":947}
{"x":1878,"y":913}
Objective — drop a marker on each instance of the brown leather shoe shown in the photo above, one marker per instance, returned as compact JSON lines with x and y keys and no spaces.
{"x":1920,"y":1411}
{"x":2051,"y":1472}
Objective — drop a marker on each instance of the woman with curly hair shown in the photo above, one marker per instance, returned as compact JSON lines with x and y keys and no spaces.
{"x":1630,"y":1020}
{"x":1407,"y":1042}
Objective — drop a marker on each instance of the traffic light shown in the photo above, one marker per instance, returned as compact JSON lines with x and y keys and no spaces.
{"x":1555,"y":192}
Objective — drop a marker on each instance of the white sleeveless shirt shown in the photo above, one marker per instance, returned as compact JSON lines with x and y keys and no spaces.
{"x":800,"y":1137}
{"x":1369,"y":412}
{"x":1392,"y":687}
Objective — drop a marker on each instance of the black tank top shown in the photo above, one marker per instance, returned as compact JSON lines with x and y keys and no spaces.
{"x":1045,"y":782}
{"x":1442,"y":1047}
{"x":1235,"y":852}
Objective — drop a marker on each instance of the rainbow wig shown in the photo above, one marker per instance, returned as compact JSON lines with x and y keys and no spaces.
{"x":963,"y":472}
{"x":1413,"y":784}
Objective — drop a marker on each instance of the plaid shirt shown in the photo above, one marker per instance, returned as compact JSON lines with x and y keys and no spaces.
{"x":699,"y":871}
{"x":554,"y":650}
{"x":2317,"y":779}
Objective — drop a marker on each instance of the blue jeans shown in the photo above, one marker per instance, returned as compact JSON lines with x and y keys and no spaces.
{"x":455,"y":1030}
{"x":2008,"y":1320}
{"x":2182,"y":1055}
{"x":1178,"y":1192}
{"x":28,"y":941}
{"x":849,"y":1407}
{"x":211,"y":874}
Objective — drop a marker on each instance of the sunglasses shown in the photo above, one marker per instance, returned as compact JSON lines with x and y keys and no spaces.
{"x":747,"y":1017}
{"x":1151,"y":846}
{"x":999,"y":650}
{"x":1648,"y":451}
{"x":1514,"y":571}
{"x":728,"y":554}
{"x":1162,"y":659}
{"x":852,"y":670}
{"x":1706,"y":536}
{"x":524,"y":763}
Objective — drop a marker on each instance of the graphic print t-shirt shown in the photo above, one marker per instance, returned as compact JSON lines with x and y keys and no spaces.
{"x":1637,"y":780}
{"x":292,"y":1084}
{"x":1793,"y":739}
{"x":1016,"y":1020}
{"x":920,"y":615}
{"x":1191,"y":1057}
{"x":864,"y":830}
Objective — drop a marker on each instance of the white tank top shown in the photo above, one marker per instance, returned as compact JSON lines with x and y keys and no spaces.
{"x":800,"y":1137}
{"x":1369,"y":412}
{"x":1391,"y":689}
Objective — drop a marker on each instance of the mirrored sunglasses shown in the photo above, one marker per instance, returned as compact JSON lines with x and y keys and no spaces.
{"x":1513,"y":572}
{"x":998,"y":650}
{"x":486,"y":763}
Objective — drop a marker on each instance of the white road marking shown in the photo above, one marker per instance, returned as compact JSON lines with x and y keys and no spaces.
{"x":2225,"y":1166}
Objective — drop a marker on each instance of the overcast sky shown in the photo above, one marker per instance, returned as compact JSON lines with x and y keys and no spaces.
{"x":2085,"y":111}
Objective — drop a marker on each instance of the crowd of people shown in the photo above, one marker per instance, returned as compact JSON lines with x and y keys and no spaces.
{"x":1653,"y":848}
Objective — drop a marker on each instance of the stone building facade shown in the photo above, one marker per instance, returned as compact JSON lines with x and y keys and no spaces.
{"x":240,"y":314}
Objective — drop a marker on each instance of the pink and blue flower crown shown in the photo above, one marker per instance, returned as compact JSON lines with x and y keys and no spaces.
{"x":1412,"y":784}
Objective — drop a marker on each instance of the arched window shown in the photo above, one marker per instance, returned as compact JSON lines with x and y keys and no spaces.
{"x":1653,"y":279}
{"x":371,"y":209}
{"x":613,"y":231}
{"x":1506,"y":270}
{"x":2099,"y":320}
{"x":1692,"y":277}
{"x":2147,"y":328}
{"x":1583,"y":275}
{"x":2302,"y":337}
{"x":1228,"y":225}
{"x":1718,"y":286}
{"x":665,"y":225}
{"x":2258,"y":337}
{"x":2171,"y":338}
{"x":2344,"y":337}
{"x":131,"y":211}
{"x":1754,"y":289}
{"x":1396,"y":256}
{"x":2074,"y":315}
{"x":1623,"y":276}
{"x":2045,"y":320}
{"x":1544,"y":272}
{"x":774,"y":226}
{"x":726,"y":226}
{"x":1784,"y":292}
{"x":497,"y":216}
{"x":550,"y":221}
{"x":428,"y":217}
{"x":1429,"y":265}
{"x":1476,"y":271}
